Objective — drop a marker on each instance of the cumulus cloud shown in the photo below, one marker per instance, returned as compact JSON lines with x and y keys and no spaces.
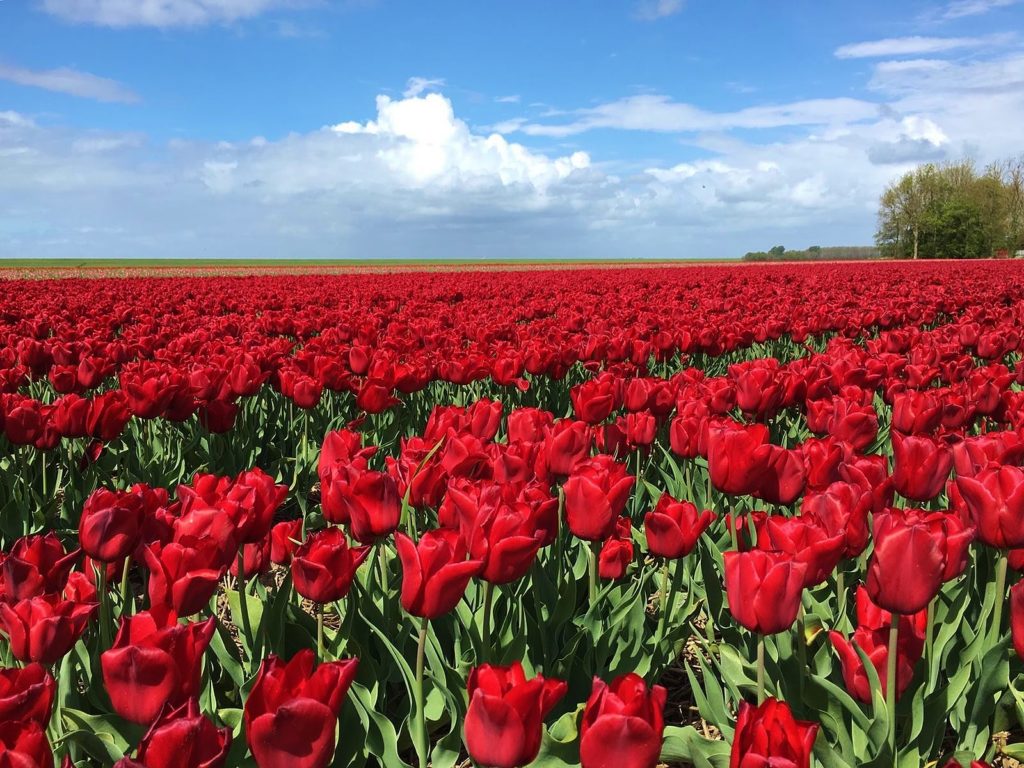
{"x":160,"y":13}
{"x":70,"y":81}
{"x":907,"y":46}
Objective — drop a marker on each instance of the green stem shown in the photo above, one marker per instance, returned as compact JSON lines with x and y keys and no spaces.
{"x":486,"y":636}
{"x":243,"y":604}
{"x":840,"y":598}
{"x":421,"y":713}
{"x":760,"y":670}
{"x":997,"y":617}
{"x":320,"y":633}
{"x":929,"y":630}
{"x":592,"y":567}
{"x":732,"y":529}
{"x":668,"y":605}
{"x":104,"y":607}
{"x":124,"y":586}
{"x":890,"y":681}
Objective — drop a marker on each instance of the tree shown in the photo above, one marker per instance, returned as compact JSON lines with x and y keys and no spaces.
{"x":777,"y":250}
{"x":952,"y":211}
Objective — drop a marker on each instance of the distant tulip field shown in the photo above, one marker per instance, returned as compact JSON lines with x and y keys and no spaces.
{"x":757,"y":516}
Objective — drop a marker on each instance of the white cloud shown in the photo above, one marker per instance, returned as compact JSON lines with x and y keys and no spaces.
{"x":908,"y":46}
{"x":418,"y":85}
{"x":514,"y":99}
{"x":70,"y":81}
{"x":961,"y":8}
{"x":651,"y":112}
{"x":651,"y":10}
{"x":160,"y":13}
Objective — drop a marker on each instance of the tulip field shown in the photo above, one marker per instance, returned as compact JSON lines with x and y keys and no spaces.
{"x":617,"y":517}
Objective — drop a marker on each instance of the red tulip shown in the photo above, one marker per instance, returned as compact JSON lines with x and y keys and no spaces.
{"x":35,"y":566}
{"x":595,"y":496}
{"x":528,"y":425}
{"x":673,"y":527}
{"x":994,"y":498}
{"x":435,"y":572}
{"x":566,"y":444}
{"x":594,"y":400}
{"x":841,"y":509}
{"x":764,"y":589}
{"x":44,"y":629}
{"x":324,"y":566}
{"x":184,"y":738}
{"x":735,"y":460}
{"x":768,"y":735}
{"x":111,"y":524}
{"x":155,"y":661}
{"x":368,"y":501}
{"x":901,"y":537}
{"x":24,"y":745}
{"x":505,"y":536}
{"x":505,"y":719}
{"x":345,"y":448}
{"x":284,"y":538}
{"x":623,"y":724}
{"x":26,"y":694}
{"x":182,"y":578}
{"x":292,"y":710}
{"x":616,"y":552}
{"x":921,"y":465}
{"x":806,"y":542}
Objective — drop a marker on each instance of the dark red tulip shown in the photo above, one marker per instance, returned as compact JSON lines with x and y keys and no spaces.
{"x":806,"y":541}
{"x":324,"y":566}
{"x":616,"y":552}
{"x":505,"y":719}
{"x":435,"y":572}
{"x":182,"y":578}
{"x":184,"y":738}
{"x":764,"y":589}
{"x":994,"y":498}
{"x":24,"y":745}
{"x":921,"y":465}
{"x":768,"y":736}
{"x":292,"y":710}
{"x":368,"y":501}
{"x":594,"y":400}
{"x":35,"y":566}
{"x":255,"y":559}
{"x":673,"y":527}
{"x":595,"y":496}
{"x":154,"y":662}
{"x":528,"y":425}
{"x":566,"y":444}
{"x":44,"y":629}
{"x":841,"y":509}
{"x":111,"y":524}
{"x":285,"y":538}
{"x":345,"y":448}
{"x":622,"y":724}
{"x":735,"y":458}
{"x":26,"y":694}
{"x":901,"y":537}
{"x":504,"y":536}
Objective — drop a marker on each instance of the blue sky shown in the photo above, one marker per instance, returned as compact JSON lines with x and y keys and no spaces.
{"x":387,"y":128}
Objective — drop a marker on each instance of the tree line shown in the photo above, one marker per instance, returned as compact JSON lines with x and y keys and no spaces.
{"x":815,"y":253}
{"x":953,"y":211}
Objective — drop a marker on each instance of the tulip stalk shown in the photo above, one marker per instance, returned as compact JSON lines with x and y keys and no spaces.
{"x":124,"y":586}
{"x":243,"y":604}
{"x":890,"y":681}
{"x":760,"y":669}
{"x":320,"y":632}
{"x":997,"y":617}
{"x":421,"y":707}
{"x":669,"y":599}
{"x":486,"y":634}
{"x":592,"y":568}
